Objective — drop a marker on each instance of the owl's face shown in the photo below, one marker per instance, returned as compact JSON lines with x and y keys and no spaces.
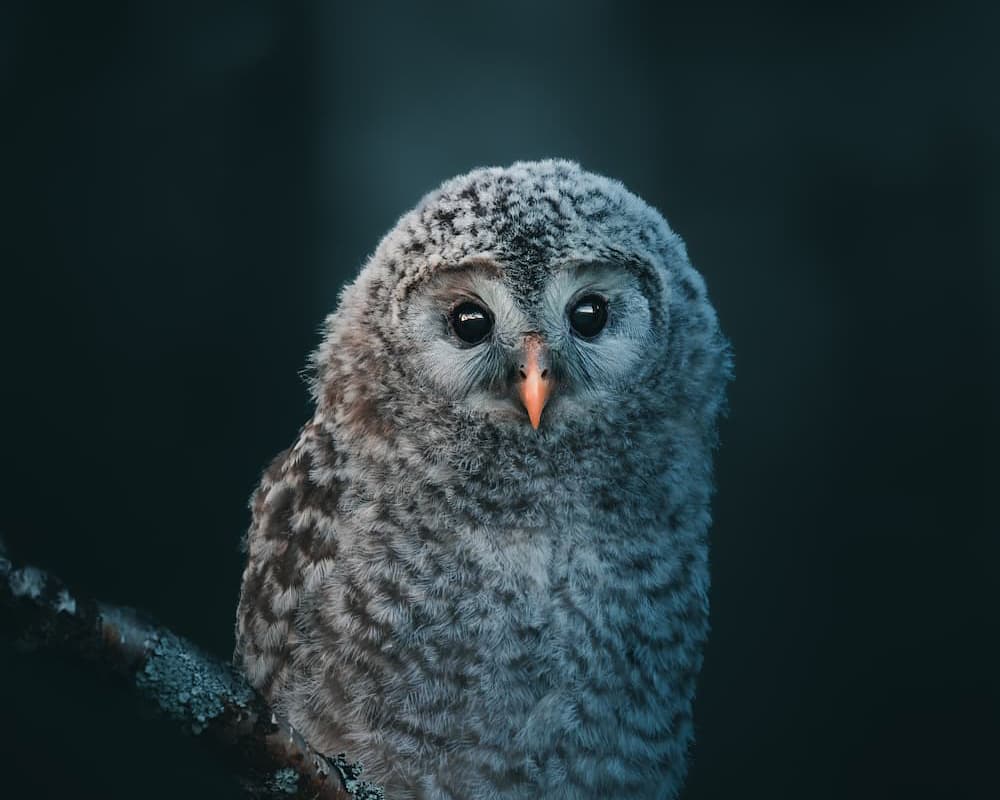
{"x":529,"y":353}
{"x":535,"y":300}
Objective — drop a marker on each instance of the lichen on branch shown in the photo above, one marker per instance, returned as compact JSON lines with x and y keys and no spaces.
{"x":206,"y":697}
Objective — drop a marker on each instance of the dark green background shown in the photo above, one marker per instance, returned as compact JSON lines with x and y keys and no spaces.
{"x":187,"y":185}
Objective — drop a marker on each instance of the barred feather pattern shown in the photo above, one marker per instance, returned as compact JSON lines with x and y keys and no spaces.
{"x":473,"y":608}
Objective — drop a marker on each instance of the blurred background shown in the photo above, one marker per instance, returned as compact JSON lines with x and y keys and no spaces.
{"x":187,"y":186}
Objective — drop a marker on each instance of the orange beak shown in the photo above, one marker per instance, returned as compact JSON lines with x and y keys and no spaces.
{"x":536,"y":380}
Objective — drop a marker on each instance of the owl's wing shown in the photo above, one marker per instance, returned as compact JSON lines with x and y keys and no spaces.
{"x":290,"y":547}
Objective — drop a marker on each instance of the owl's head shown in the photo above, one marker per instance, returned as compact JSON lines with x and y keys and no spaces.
{"x":534,"y":298}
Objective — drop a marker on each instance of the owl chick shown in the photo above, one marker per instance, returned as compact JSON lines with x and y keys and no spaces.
{"x":482,"y":567}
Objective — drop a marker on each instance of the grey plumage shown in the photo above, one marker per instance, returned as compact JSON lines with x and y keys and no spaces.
{"x":473,"y":607}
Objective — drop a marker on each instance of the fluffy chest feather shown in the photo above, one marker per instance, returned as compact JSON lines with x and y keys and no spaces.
{"x":542,"y":644}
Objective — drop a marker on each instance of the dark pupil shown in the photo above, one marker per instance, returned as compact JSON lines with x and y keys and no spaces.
{"x":471,"y":323}
{"x":589,"y":316}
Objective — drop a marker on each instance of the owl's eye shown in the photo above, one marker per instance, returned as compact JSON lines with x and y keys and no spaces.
{"x":471,"y":322}
{"x":588,"y":315}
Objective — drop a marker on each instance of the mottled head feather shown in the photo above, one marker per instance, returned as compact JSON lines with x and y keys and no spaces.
{"x":525,"y":222}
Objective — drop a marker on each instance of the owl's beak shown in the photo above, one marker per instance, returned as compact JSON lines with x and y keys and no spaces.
{"x":535,"y":379}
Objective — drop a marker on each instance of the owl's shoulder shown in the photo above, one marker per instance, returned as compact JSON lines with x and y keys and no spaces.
{"x":290,"y":545}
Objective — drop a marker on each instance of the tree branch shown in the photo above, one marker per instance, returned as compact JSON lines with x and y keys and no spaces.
{"x":206,"y":697}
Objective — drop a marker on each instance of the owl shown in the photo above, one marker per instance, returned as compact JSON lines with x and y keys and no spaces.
{"x":482,"y":567}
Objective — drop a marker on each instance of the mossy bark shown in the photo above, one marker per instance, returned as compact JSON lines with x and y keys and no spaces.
{"x":207,"y":698}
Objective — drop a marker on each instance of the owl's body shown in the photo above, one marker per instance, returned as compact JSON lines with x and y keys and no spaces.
{"x":478,"y":598}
